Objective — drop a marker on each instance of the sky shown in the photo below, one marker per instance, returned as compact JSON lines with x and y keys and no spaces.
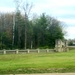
{"x":63,"y":10}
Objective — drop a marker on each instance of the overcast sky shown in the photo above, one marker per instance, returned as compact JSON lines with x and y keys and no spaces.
{"x":63,"y":10}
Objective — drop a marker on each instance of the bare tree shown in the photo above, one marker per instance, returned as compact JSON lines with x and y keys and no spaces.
{"x":26,"y":8}
{"x":13,"y":34}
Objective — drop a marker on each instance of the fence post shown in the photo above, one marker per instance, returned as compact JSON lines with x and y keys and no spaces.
{"x":47,"y":50}
{"x":16,"y":51}
{"x":4,"y":51}
{"x":38,"y":50}
{"x":28,"y":50}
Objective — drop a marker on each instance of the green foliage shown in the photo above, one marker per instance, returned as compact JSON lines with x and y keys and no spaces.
{"x":40,"y":32}
{"x":70,"y":42}
{"x":2,"y":46}
{"x":18,"y":30}
{"x":46,"y":31}
{"x":45,"y":47}
{"x":6,"y":30}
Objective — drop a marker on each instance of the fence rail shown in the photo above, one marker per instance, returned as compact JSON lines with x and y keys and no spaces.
{"x":26,"y":51}
{"x":31,"y":51}
{"x":71,"y":46}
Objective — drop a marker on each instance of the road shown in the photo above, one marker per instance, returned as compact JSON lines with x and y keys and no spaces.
{"x":47,"y":74}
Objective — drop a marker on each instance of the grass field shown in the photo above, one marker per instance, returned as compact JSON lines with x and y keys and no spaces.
{"x":38,"y":63}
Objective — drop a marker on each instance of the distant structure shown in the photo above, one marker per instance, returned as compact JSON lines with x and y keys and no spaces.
{"x":61,"y":46}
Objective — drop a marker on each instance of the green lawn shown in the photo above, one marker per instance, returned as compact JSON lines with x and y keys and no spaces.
{"x":38,"y":63}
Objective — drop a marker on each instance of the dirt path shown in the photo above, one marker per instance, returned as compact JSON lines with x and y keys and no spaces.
{"x":47,"y":74}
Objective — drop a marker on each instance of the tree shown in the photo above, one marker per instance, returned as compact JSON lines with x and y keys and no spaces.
{"x":46,"y":31}
{"x":26,"y":8}
{"x":40,"y":32}
{"x":55,"y":31}
{"x":6,"y":30}
{"x":40,"y":26}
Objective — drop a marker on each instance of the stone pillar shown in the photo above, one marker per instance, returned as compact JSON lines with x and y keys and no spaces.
{"x":66,"y":46}
{"x":58,"y":45}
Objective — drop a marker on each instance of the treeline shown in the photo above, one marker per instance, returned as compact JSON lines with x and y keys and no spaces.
{"x":17,"y":31}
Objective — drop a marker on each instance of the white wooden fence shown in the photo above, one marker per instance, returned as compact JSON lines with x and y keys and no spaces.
{"x":26,"y":51}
